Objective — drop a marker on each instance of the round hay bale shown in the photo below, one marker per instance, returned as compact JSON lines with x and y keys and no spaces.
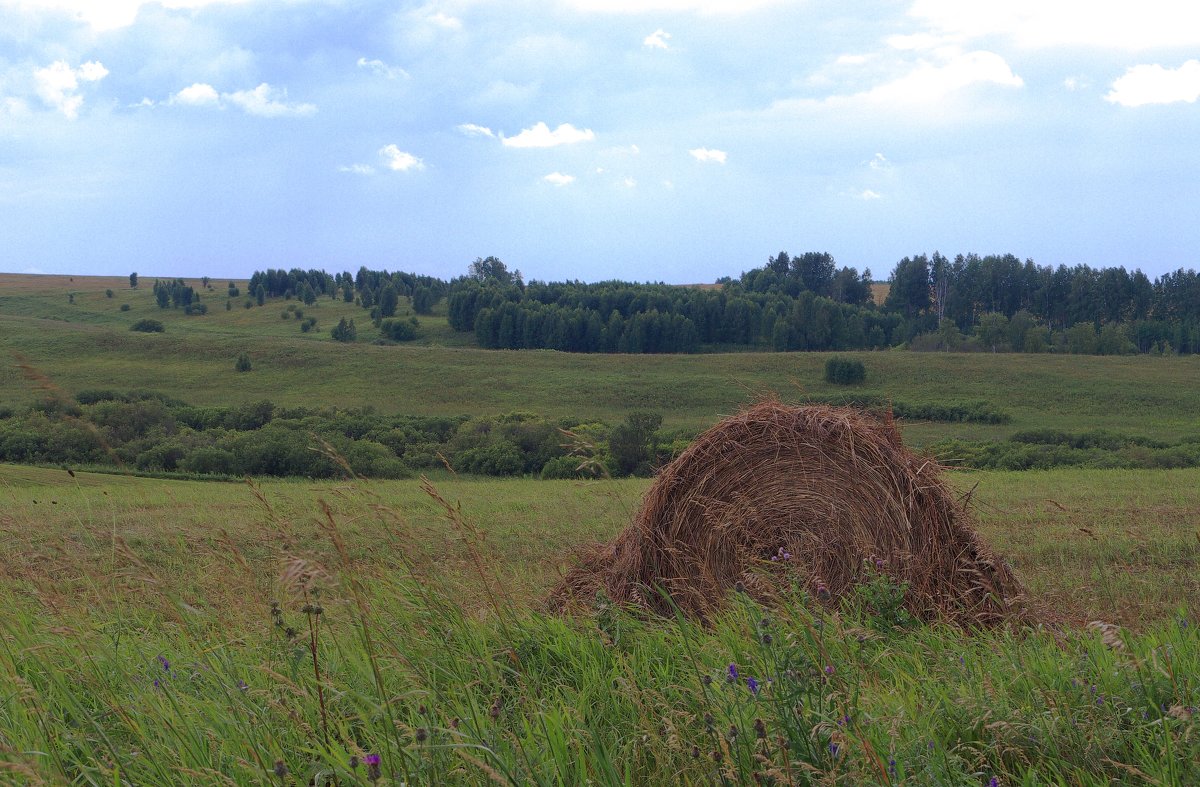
{"x":829,"y":492}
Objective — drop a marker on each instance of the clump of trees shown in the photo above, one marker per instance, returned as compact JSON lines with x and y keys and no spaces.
{"x":994,"y":303}
{"x":147,"y":325}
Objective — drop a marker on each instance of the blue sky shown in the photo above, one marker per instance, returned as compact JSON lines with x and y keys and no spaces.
{"x":672,"y":140}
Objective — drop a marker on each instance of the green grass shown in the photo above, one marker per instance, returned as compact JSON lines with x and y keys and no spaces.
{"x":442,"y":375}
{"x":442,"y":665}
{"x":431,"y":651}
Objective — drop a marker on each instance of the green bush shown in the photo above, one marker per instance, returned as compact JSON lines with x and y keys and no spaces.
{"x":398,"y":329}
{"x":243,"y":363}
{"x":124,"y":307}
{"x":844,"y":371}
{"x":147,"y":325}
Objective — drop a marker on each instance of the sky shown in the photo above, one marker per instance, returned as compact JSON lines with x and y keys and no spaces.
{"x":647,"y":140}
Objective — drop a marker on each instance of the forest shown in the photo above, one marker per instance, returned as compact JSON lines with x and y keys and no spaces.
{"x":994,"y":303}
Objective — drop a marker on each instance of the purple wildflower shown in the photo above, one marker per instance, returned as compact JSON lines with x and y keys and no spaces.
{"x":241,"y":684}
{"x":828,"y":669}
{"x":733,"y":672}
{"x":166,"y":665}
{"x":752,"y":684}
{"x":373,"y":769}
{"x":833,"y":749}
{"x":892,"y":767}
{"x":993,"y":782}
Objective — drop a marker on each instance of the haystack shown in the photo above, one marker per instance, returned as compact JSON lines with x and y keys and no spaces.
{"x":780,"y":495}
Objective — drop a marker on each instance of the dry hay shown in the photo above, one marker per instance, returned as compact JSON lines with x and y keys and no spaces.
{"x":832,"y":487}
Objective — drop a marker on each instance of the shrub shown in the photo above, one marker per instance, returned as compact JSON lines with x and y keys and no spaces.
{"x":196,"y":308}
{"x":108,"y":293}
{"x":147,"y":326}
{"x":124,"y":307}
{"x":844,"y":371}
{"x":243,"y":363}
{"x":399,"y":330}
{"x":563,"y":467}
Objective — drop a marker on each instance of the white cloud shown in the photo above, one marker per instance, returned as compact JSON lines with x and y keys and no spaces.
{"x":708,"y":154}
{"x":358,"y":169}
{"x":931,"y":82}
{"x":261,"y":101}
{"x":869,"y":195}
{"x":879,"y":162}
{"x":380,"y":68}
{"x":1153,"y":84}
{"x":657,"y":40}
{"x":559,"y":179}
{"x":58,"y":84}
{"x":472,"y":130}
{"x":731,"y":7}
{"x":629,"y":183}
{"x":14,"y":107}
{"x":1115,"y":24}
{"x":199,"y":94}
{"x":540,"y":136}
{"x":851,"y":60}
{"x":445,"y":21}
{"x":398,"y":160}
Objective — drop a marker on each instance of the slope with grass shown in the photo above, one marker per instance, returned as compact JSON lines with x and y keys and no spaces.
{"x":88,"y":345}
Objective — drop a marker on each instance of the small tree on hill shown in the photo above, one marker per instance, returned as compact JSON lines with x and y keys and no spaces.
{"x":133,"y":281}
{"x":243,"y":363}
{"x":344,"y":331}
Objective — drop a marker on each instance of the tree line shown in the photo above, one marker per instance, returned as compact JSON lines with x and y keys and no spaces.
{"x":802,"y":302}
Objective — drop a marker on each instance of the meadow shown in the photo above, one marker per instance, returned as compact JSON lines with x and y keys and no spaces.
{"x":386,"y":632}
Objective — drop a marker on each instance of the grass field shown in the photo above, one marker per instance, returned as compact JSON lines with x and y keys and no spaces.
{"x":139,"y":645}
{"x":88,"y":345}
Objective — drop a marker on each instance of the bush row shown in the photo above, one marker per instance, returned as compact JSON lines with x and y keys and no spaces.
{"x":150,"y":432}
{"x":1046,"y":449}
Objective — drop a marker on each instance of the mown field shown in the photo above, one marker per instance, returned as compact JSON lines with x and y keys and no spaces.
{"x":371,"y":632}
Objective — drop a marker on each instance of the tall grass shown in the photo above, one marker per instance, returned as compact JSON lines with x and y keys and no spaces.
{"x":356,"y":679}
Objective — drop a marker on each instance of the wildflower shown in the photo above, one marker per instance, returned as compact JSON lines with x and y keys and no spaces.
{"x":767,"y":639}
{"x":166,"y":665}
{"x":455,"y":722}
{"x":281,"y":769}
{"x":241,"y":684}
{"x":695,"y":752}
{"x":892,"y":767}
{"x":878,"y":565}
{"x":828,"y":669}
{"x":822,"y":591}
{"x":421,"y":709}
{"x":993,"y":782}
{"x":833,"y":749}
{"x":760,"y":729}
{"x":752,"y":684}
{"x":422,"y":734}
{"x":739,"y":587}
{"x":733,"y":673}
{"x":354,"y":762}
{"x":733,"y":733}
{"x":716,"y":755}
{"x":373,"y":769}
{"x":706,"y":680}
{"x":708,"y":722}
